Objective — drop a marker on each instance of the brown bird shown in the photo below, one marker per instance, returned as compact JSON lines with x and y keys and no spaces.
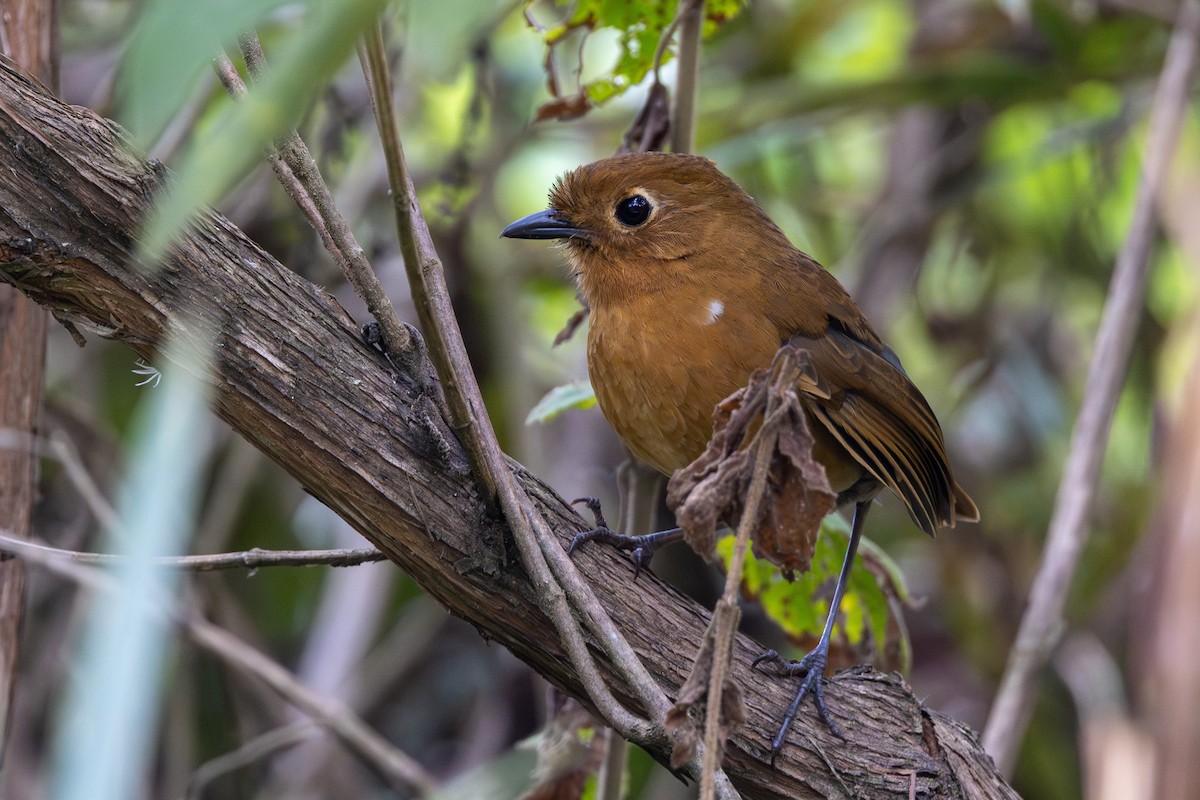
{"x":691,"y":288}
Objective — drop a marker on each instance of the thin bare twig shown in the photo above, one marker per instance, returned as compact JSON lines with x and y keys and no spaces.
{"x":249,"y":559}
{"x":683,"y":131}
{"x":300,"y":177}
{"x":610,"y":781}
{"x":470,"y":420}
{"x":639,"y":487}
{"x":599,"y":623}
{"x":397,"y":767}
{"x":468,"y":416}
{"x":258,"y":748}
{"x":727,"y":614}
{"x":553,"y":599}
{"x":59,"y":448}
{"x":233,"y":84}
{"x":664,"y":41}
{"x":1043,"y":621}
{"x":1173,"y":686}
{"x":558,"y":579}
{"x":722,"y":629}
{"x":400,"y":770}
{"x":253,"y":54}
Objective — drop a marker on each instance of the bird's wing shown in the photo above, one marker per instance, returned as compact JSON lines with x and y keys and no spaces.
{"x":883,"y":421}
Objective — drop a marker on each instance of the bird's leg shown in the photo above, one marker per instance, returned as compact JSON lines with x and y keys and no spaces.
{"x":812,"y":666}
{"x":640,"y":547}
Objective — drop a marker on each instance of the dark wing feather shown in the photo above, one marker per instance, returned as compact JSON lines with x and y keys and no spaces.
{"x":883,"y":421}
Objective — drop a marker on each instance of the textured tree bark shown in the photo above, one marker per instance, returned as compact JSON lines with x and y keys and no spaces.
{"x":27,"y":31}
{"x":292,"y":377}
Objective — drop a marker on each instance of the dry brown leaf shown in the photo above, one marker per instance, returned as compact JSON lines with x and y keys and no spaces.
{"x":684,"y":733}
{"x":682,"y":726}
{"x":712,"y":489}
{"x":652,"y":124}
{"x":571,"y":106}
{"x":568,"y":751}
{"x":733,"y":709}
{"x":800,"y":495}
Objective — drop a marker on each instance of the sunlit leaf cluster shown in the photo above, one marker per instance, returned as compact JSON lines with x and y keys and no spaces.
{"x":638,"y":29}
{"x":869,"y":628}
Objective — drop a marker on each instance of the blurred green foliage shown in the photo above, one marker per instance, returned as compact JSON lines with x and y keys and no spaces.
{"x":239,"y":133}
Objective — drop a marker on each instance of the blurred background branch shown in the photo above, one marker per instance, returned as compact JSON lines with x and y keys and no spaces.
{"x":251,"y":559}
{"x":28,"y":36}
{"x":1042,"y":625}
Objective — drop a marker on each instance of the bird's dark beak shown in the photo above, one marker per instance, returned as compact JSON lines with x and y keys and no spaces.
{"x":542,"y":225}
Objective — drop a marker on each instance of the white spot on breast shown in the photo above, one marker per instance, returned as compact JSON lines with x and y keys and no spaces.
{"x":715,"y":309}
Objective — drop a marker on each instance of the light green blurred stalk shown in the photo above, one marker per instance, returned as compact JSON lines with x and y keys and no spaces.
{"x":110,"y":715}
{"x":231,"y":143}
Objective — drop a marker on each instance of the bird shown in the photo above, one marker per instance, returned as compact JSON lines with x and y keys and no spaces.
{"x":691,"y":287}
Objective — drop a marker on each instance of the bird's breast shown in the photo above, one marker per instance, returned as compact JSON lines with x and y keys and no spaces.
{"x":660,"y":364}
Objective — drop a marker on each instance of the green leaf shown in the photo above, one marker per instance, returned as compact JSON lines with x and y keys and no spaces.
{"x":577,"y":394}
{"x":875,"y":592}
{"x":639,"y":27}
{"x":173,"y":43}
{"x":127,"y":639}
{"x":235,"y":141}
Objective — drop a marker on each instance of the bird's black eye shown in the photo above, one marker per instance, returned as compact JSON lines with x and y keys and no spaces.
{"x":633,"y":211}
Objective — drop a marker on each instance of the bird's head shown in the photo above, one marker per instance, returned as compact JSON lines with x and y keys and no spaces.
{"x":641,"y":222}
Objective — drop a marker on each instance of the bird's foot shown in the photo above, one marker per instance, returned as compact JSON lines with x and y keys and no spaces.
{"x":812,"y":668}
{"x":640,"y":548}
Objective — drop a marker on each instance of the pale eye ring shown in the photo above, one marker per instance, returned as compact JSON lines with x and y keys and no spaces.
{"x":633,"y":210}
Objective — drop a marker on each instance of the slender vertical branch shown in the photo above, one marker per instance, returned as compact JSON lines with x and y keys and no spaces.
{"x":727,"y":615}
{"x":28,"y":33}
{"x":683,"y":129}
{"x":1174,"y":692}
{"x":1043,"y":621}
{"x":610,"y":782}
{"x":553,"y":574}
{"x":427,"y":281}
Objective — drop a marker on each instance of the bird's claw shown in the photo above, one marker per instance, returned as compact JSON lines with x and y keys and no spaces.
{"x":771,"y":656}
{"x":593,"y":505}
{"x":812,"y":668}
{"x":638,"y":552}
{"x":640,"y":549}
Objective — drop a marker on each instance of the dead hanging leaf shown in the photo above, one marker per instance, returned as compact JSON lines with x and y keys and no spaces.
{"x":652,"y":124}
{"x":712,"y":489}
{"x":682,"y":726}
{"x":684,"y":730}
{"x":801,"y":495}
{"x":684,"y":733}
{"x":564,"y":108}
{"x":568,"y":751}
